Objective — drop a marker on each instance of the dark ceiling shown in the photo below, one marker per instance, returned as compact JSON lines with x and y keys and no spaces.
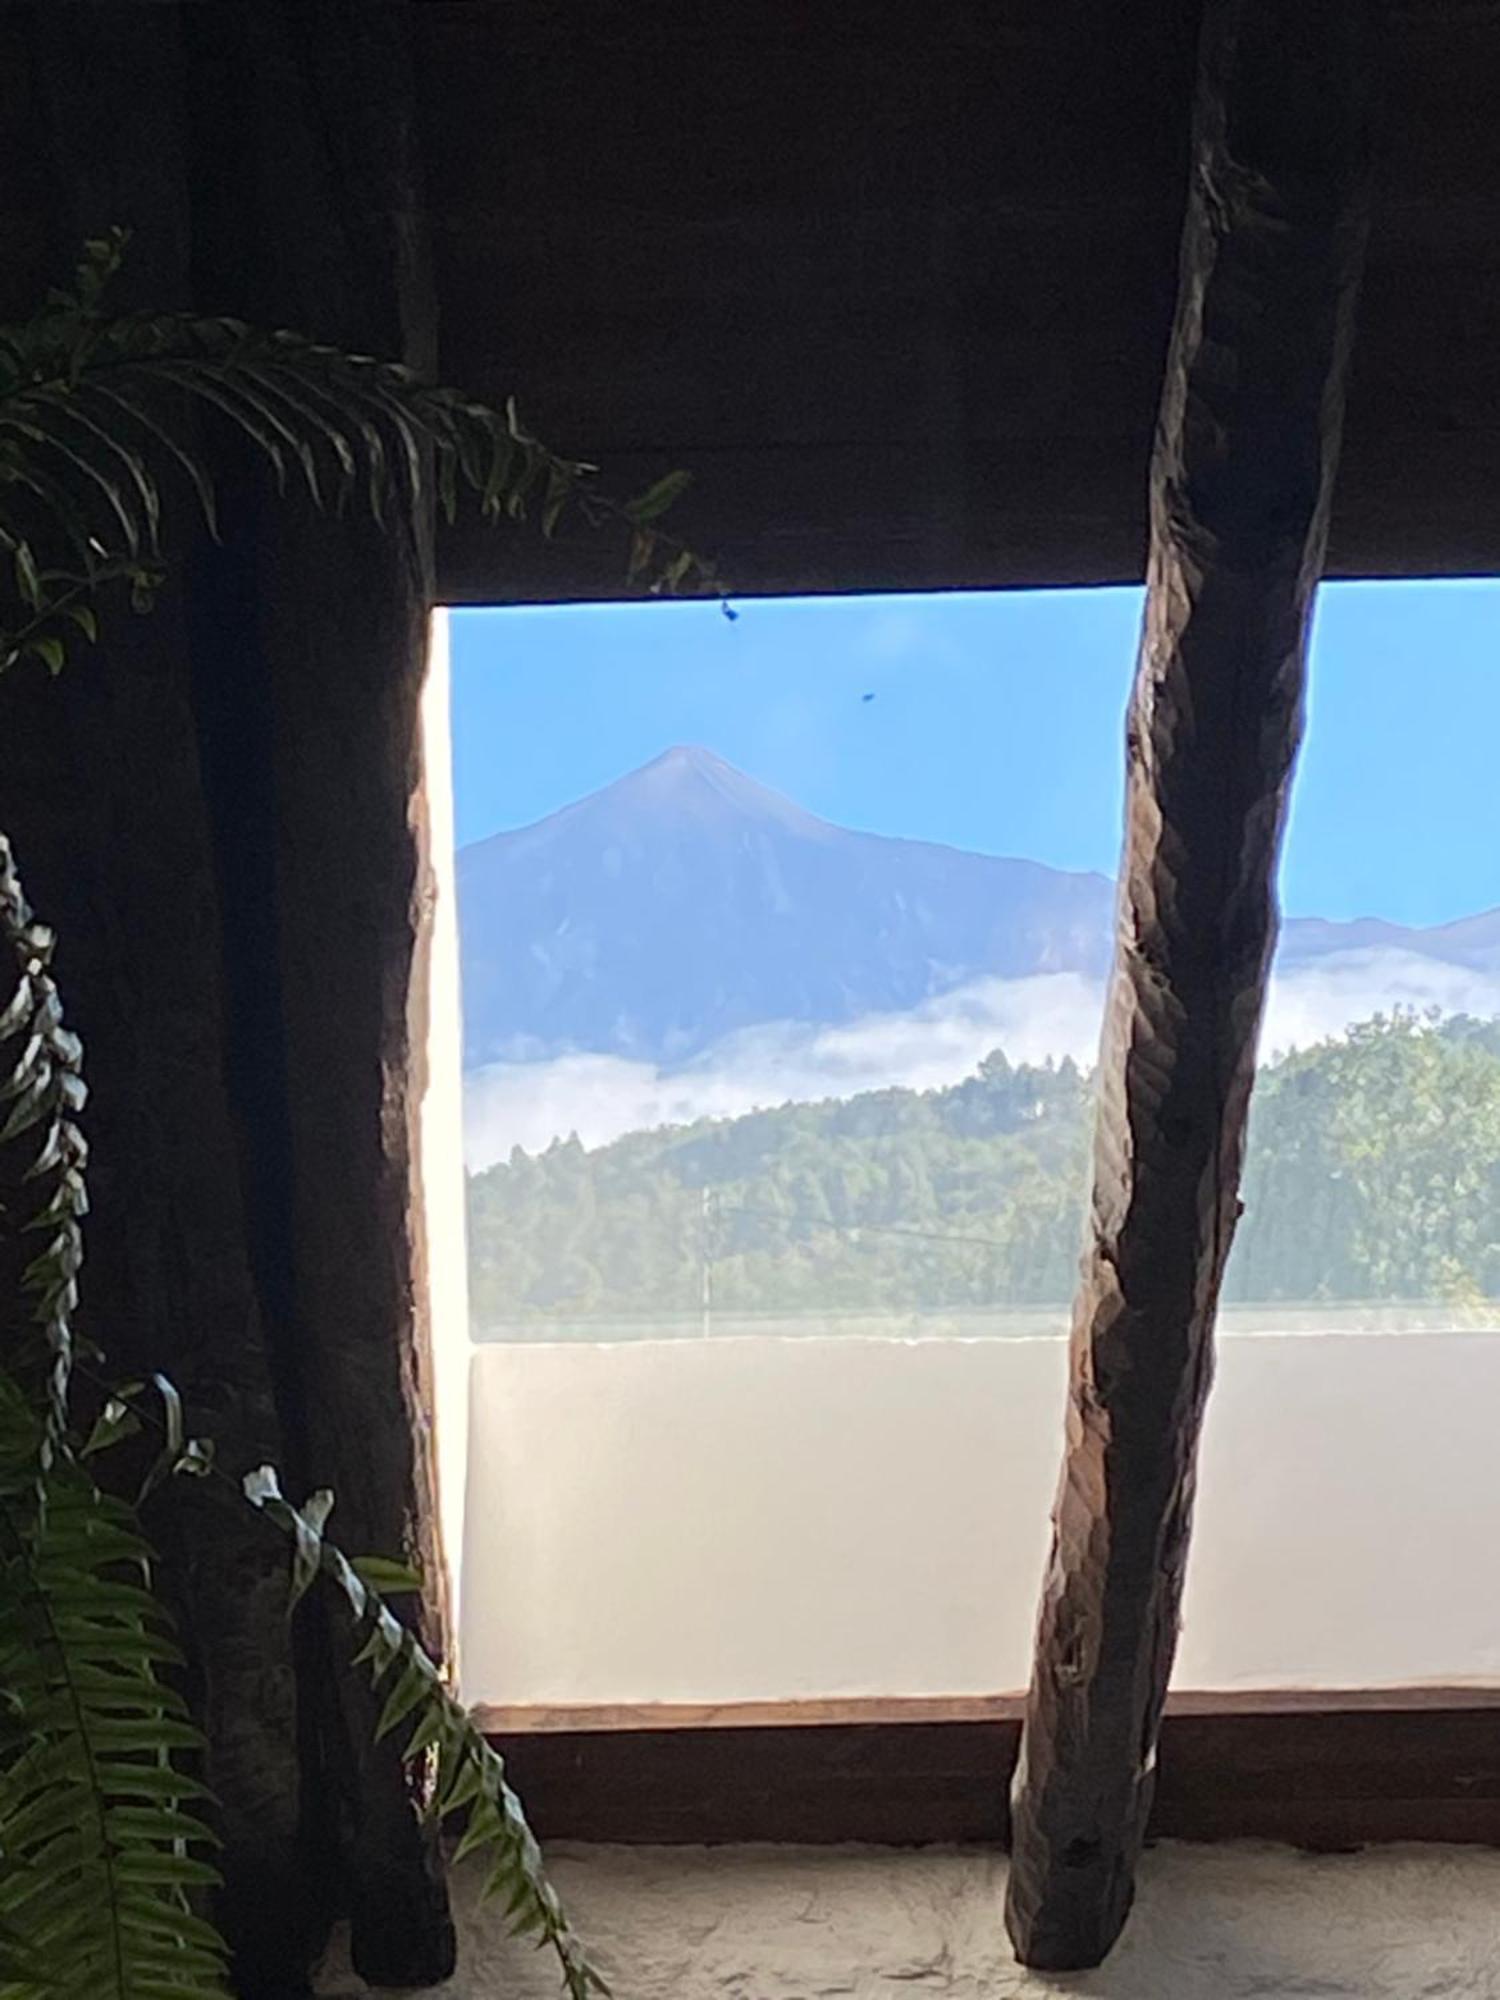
{"x":895,"y":282}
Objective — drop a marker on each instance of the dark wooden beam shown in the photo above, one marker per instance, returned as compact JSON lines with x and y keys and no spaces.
{"x":221,"y":813}
{"x":1329,"y":1770}
{"x":899,"y":300}
{"x":1241,"y":479}
{"x":309,"y":654}
{"x":577,"y":1719}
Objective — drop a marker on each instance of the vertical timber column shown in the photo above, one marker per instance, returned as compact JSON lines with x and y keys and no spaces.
{"x":310,"y":642}
{"x":1241,"y":477}
{"x":104,"y":787}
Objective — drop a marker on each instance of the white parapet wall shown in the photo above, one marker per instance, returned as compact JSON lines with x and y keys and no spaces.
{"x":765,"y":1518}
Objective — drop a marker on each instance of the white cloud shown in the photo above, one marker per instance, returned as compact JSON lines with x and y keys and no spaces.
{"x":601,"y":1097}
{"x":1319,"y":999}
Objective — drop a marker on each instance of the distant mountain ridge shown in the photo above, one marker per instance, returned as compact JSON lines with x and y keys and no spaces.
{"x":685,"y":901}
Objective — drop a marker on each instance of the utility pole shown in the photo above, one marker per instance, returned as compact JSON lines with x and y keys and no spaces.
{"x":706,"y":1260}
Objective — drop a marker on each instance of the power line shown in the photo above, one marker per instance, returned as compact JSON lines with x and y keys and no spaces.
{"x":711,"y":1206}
{"x":856,"y":1228}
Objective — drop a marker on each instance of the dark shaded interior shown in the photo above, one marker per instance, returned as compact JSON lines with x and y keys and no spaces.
{"x":895,"y":287}
{"x":900,"y":297}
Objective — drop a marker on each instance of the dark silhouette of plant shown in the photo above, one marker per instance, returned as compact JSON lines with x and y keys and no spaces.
{"x":102,"y":1844}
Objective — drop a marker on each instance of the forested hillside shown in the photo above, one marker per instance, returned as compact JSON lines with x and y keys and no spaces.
{"x":1374,"y":1173}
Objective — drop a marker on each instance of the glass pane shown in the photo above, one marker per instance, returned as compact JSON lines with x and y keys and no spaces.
{"x":783,"y":942}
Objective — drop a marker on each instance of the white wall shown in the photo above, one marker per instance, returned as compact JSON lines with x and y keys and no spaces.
{"x":771,"y":1518}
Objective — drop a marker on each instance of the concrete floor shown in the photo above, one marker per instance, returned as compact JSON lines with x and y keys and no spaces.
{"x":1212,"y":1923}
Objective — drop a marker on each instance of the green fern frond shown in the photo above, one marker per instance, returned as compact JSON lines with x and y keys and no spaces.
{"x":98,"y":1832}
{"x":94,"y":415}
{"x":42,"y":1154}
{"x":100,"y":1843}
{"x":464,"y":1772}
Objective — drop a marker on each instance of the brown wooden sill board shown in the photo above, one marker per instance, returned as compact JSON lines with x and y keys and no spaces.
{"x":1318,"y":1770}
{"x":536,"y":1719}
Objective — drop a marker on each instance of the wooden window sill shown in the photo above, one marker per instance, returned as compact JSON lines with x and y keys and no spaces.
{"x":1318,"y":1769}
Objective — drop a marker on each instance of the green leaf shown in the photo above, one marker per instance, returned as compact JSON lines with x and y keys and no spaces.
{"x":115,"y":1421}
{"x":95,"y":1820}
{"x":642,"y":550}
{"x":468,"y":1772}
{"x":389,"y":1578}
{"x":92,"y":415}
{"x":169,"y":1459}
{"x":412,"y":1687}
{"x":196,"y":1459}
{"x":27,"y":580}
{"x":138,"y":412}
{"x":657,"y":499}
{"x":96,"y":1841}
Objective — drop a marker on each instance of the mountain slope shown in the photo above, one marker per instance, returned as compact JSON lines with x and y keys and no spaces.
{"x":686,"y":901}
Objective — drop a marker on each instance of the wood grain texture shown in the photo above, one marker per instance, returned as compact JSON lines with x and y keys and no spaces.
{"x":1380,"y":1768}
{"x":104,"y":787}
{"x":220,"y":811}
{"x":575,"y":1717}
{"x":310,"y":643}
{"x":1240,"y":490}
{"x":596,"y":1718}
{"x":899,"y":299}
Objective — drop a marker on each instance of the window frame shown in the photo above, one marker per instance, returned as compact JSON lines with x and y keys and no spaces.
{"x":1327,"y":1772}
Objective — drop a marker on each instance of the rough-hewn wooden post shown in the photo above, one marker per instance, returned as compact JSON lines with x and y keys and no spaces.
{"x":220,"y":809}
{"x":311,"y":638}
{"x":1240,"y":482}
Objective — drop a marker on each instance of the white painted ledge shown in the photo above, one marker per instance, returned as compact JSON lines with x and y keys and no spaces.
{"x":779,"y":1519}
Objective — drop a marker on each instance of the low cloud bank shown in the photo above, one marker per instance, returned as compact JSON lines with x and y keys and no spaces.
{"x":601,"y":1097}
{"x":1321,"y":999}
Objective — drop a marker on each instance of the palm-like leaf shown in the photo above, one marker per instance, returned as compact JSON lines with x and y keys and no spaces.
{"x":42,"y":1198}
{"x":97,"y":1823}
{"x":464,"y":1772}
{"x":98,"y":1833}
{"x":95,"y":413}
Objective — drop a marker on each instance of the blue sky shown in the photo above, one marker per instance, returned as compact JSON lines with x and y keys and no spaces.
{"x":995,"y":724}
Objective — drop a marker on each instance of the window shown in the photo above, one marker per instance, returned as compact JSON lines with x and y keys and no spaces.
{"x":783,"y":943}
